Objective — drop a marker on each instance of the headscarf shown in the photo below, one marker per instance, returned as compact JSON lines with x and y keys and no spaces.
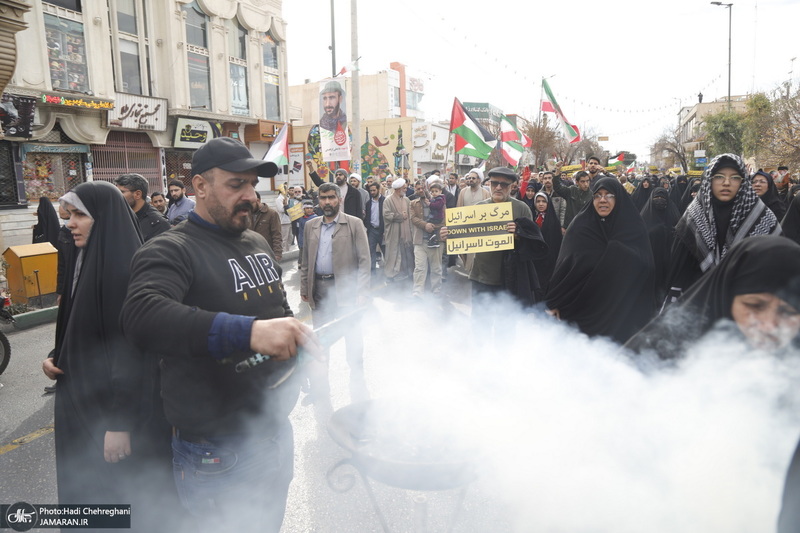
{"x":764,"y":263}
{"x":604,"y":276}
{"x":771,"y":198}
{"x":47,"y":225}
{"x":697,"y":228}
{"x":551,"y":232}
{"x":641,"y":194}
{"x":686,"y":199}
{"x":677,"y":190}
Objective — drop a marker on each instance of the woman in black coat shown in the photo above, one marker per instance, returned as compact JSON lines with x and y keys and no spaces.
{"x":604,"y":276}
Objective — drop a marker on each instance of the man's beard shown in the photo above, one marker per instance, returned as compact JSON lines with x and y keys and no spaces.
{"x":230,"y":221}
{"x":330,"y":211}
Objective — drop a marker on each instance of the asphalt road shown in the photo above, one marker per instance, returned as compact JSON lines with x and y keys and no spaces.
{"x":27,"y":464}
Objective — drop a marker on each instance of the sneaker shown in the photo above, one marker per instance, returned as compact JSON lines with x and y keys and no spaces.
{"x":433,"y":242}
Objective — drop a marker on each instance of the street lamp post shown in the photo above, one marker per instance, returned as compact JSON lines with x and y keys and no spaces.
{"x":730,"y":19}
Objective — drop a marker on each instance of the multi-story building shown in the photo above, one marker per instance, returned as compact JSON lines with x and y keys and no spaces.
{"x":113,"y":86}
{"x":691,"y":121}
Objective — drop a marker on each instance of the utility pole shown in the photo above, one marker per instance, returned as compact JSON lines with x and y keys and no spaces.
{"x":355,"y":115}
{"x":730,"y":20}
{"x":333,"y":44}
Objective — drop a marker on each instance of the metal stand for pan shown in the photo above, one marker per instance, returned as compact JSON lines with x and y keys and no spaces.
{"x":347,"y":428}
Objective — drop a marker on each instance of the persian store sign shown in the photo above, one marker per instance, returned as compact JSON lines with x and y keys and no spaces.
{"x":190,"y":133}
{"x":52,"y":99}
{"x":136,"y":112}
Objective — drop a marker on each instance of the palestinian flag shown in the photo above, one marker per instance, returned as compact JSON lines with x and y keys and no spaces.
{"x":618,"y":159}
{"x":278,"y":153}
{"x":471,"y":138}
{"x":570,"y":130}
{"x":513,"y":141}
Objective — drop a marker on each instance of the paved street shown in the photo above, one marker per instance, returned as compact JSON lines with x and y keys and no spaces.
{"x":27,"y":467}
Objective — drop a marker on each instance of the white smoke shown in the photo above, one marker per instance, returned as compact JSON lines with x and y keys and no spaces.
{"x":576,"y":436}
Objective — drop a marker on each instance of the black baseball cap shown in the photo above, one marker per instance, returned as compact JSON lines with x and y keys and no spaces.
{"x":229,"y":154}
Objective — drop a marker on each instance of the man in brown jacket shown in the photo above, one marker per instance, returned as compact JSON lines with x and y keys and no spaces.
{"x":334,"y":279}
{"x":267,"y":223}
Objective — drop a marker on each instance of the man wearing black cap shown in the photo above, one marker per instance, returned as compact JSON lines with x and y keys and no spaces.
{"x":487,"y":268}
{"x":204,"y":298}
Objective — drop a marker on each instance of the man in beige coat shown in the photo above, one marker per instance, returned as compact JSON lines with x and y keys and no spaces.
{"x":334,"y":279}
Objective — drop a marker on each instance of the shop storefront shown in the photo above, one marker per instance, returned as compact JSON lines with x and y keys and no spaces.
{"x":128,"y":149}
{"x":191,"y":134}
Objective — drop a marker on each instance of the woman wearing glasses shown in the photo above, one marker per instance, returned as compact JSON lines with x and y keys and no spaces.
{"x":725,"y":211}
{"x":604,"y":279}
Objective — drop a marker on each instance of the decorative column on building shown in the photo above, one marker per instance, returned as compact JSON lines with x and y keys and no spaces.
{"x":11,"y":22}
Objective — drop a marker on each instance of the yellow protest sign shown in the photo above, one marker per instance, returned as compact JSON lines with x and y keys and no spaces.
{"x":295,"y":212}
{"x":479,"y":228}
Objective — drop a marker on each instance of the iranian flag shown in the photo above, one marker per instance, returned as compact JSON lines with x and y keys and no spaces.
{"x":278,"y":153}
{"x":471,"y":138}
{"x":618,"y":159}
{"x":570,"y":130}
{"x":513,"y":141}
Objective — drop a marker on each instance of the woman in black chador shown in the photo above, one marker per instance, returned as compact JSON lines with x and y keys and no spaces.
{"x":725,"y":211}
{"x":660,"y":217}
{"x":105,"y":408}
{"x":604,"y":277}
{"x":765,"y":188}
{"x":544,"y":214}
{"x":642,"y":193}
{"x":47,"y":225}
{"x":755,"y":288}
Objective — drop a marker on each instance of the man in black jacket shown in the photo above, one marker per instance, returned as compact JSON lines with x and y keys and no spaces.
{"x":134,"y":189}
{"x":207,"y":298}
{"x":373,"y":220}
{"x":353,"y":203}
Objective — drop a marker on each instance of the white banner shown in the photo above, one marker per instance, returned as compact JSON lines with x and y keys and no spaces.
{"x":334,"y":141}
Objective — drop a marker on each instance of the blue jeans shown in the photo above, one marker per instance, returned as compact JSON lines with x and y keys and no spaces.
{"x":235,"y":483}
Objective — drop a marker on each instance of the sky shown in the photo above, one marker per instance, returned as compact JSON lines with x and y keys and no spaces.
{"x":618,"y":68}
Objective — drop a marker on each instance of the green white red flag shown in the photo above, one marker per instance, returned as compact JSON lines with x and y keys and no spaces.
{"x":570,"y":130}
{"x":278,"y":153}
{"x":470,"y":137}
{"x":512,"y":140}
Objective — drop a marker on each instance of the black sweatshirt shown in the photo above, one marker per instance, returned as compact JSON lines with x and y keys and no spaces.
{"x":180,"y":281}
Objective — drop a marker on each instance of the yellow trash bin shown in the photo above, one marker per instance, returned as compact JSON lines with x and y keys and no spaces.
{"x":32,"y":271}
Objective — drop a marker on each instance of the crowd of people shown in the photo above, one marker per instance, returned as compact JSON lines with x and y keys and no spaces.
{"x":651,"y":262}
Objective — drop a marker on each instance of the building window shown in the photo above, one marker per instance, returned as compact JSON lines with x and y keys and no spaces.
{"x":197,"y":56}
{"x":413,"y":100}
{"x":199,"y":81}
{"x":126,"y":16}
{"x":130,"y":46}
{"x":272,"y":102}
{"x":66,"y":50}
{"x":72,"y":5}
{"x":196,"y":24}
{"x":237,"y":59}
{"x":129,"y":63}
